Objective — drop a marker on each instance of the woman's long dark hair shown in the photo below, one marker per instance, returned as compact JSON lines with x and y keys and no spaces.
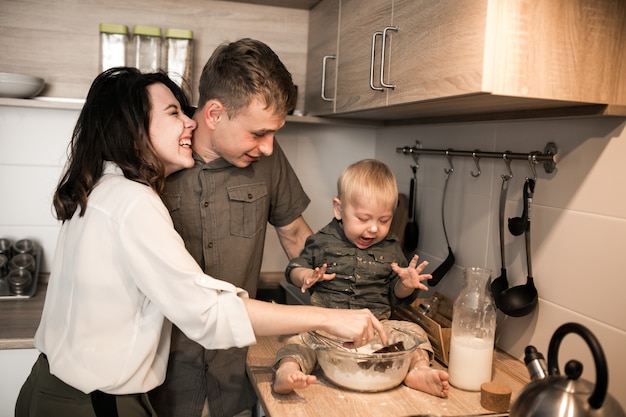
{"x":113,"y":126}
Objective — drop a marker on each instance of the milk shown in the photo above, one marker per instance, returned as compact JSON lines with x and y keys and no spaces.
{"x":470,"y":362}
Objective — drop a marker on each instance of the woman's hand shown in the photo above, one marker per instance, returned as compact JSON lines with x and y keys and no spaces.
{"x":359,"y":327}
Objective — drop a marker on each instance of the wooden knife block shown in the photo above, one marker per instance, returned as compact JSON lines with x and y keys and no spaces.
{"x":437,"y":327}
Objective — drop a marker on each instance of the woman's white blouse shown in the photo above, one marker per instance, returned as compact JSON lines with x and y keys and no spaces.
{"x":120,"y":276}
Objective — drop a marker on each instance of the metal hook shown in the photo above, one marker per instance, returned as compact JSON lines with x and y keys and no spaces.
{"x":451,"y":169}
{"x":476,"y":161}
{"x":532,"y":161}
{"x":415,"y":155}
{"x":507,"y":161}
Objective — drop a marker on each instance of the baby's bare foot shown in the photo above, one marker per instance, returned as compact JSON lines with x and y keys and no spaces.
{"x":428,"y":380}
{"x":289,"y":377}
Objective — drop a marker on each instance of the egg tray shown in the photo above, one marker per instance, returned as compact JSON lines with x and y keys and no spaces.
{"x":6,"y":294}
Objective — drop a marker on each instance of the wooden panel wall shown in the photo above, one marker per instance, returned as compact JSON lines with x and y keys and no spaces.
{"x":59,"y":40}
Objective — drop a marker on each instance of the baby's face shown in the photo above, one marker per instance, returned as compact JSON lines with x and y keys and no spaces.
{"x":365,"y":221}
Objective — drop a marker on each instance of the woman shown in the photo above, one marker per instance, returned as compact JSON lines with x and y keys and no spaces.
{"x":121,"y":275}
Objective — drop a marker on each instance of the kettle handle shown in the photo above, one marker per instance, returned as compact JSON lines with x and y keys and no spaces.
{"x":602,"y":377}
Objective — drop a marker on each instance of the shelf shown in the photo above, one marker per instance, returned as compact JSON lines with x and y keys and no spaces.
{"x":77,"y":104}
{"x":334,"y":121}
{"x":44,"y":103}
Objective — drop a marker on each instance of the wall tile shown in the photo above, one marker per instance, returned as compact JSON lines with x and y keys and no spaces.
{"x":514,"y":334}
{"x":579,"y":263}
{"x":34,"y":136}
{"x":27,"y":194}
{"x":577,"y":222}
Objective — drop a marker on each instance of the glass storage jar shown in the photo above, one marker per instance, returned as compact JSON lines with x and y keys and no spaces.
{"x":113,"y":45}
{"x":179,"y":53}
{"x":147,"y":52}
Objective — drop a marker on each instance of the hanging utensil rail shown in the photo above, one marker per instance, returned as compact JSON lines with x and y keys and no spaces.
{"x":548,"y":157}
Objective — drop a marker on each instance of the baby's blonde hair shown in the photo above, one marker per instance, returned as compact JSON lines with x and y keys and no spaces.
{"x":368,"y":179}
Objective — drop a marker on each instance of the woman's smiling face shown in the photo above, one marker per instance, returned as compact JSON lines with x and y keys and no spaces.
{"x":170,"y":129}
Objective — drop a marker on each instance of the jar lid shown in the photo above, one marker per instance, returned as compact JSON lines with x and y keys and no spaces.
{"x":179,"y":33}
{"x":113,"y":28}
{"x":20,"y":281}
{"x":147,"y":30}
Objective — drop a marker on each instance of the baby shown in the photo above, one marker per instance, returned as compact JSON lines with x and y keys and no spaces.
{"x":355,"y":262}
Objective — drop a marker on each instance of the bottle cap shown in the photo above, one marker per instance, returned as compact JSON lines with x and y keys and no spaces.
{"x":179,"y":33}
{"x":147,"y":30}
{"x":113,"y":28}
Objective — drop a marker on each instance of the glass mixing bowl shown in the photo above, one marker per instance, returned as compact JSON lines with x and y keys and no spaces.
{"x":362,"y":369}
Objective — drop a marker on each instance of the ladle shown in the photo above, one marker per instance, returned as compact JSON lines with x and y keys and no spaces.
{"x":520,"y":300}
{"x":445,"y":266}
{"x":501,"y":283}
{"x":411,"y":231}
{"x":517,"y":225}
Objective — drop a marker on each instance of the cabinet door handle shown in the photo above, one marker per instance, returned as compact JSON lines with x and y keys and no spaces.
{"x":372,"y":86}
{"x":323,"y":89}
{"x":382,"y":56}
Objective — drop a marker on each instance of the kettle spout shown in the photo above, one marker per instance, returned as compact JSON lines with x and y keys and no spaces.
{"x":535,"y":363}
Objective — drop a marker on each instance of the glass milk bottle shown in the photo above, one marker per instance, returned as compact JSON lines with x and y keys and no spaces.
{"x":473,"y":332}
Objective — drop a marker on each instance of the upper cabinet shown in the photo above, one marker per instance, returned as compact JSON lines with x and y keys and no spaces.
{"x":480,"y":59}
{"x":322,"y":58}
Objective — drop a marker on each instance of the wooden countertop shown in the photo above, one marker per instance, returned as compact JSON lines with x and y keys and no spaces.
{"x":324,"y":399}
{"x":20,"y":318}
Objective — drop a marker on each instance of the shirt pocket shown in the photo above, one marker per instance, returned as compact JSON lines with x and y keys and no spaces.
{"x":247,"y":209}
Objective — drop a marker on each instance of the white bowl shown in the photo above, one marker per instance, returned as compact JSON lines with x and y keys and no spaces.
{"x":20,"y":85}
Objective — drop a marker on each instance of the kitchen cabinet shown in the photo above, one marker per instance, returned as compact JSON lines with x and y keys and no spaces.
{"x":322,"y":58}
{"x":356,"y":63}
{"x":295,"y":4}
{"x":16,"y":365}
{"x":479,"y":58}
{"x":434,"y":53}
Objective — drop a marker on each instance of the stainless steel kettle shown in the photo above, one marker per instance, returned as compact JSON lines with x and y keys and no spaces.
{"x":557,"y":395}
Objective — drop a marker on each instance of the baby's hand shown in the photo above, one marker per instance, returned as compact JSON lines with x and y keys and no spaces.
{"x":317,"y":274}
{"x":411,"y":276}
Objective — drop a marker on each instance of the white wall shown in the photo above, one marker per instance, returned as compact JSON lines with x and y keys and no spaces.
{"x":578,"y":218}
{"x":578,"y":225}
{"x":318,"y":154}
{"x":33,"y":144}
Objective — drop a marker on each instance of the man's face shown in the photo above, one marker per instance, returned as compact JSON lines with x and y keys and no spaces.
{"x":246,"y":137}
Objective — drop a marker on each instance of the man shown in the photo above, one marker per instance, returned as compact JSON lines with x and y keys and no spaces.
{"x":241,"y":181}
